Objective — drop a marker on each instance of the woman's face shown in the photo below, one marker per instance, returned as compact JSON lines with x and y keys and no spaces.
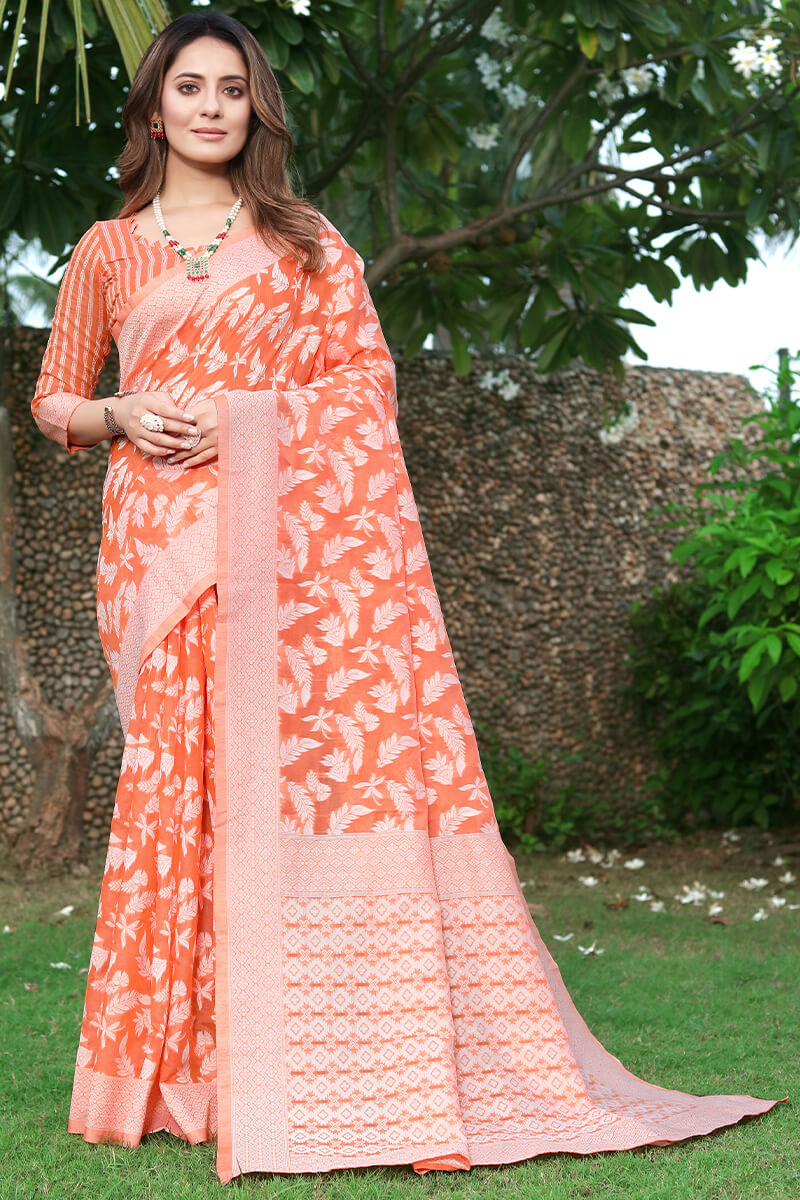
{"x":206,"y":87}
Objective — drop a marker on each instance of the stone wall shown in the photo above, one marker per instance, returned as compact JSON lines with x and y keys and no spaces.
{"x":537,"y":532}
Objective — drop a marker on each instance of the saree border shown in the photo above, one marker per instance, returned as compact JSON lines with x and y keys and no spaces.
{"x":166,"y":592}
{"x":252,"y":1101}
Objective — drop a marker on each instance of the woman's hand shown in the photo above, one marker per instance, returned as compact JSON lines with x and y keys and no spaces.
{"x":177,"y":422}
{"x":206,"y":449}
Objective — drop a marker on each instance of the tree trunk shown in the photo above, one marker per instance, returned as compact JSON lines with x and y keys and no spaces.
{"x":60,"y":745}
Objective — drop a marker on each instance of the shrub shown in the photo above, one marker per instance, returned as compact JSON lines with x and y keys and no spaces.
{"x":715,"y":665}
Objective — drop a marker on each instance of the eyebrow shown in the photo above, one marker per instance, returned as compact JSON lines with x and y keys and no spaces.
{"x":194,"y":75}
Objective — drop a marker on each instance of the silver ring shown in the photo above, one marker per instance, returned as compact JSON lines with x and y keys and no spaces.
{"x":190,"y":440}
{"x":152,"y":421}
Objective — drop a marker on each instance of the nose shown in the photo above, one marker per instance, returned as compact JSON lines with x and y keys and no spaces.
{"x":211,"y":107}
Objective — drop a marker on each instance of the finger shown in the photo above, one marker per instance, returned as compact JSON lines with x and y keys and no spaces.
{"x":176,"y":422}
{"x":165,"y":406}
{"x":197,"y":460}
{"x":148,"y":447}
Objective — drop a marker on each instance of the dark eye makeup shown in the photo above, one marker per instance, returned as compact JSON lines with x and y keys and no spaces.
{"x":239,"y":91}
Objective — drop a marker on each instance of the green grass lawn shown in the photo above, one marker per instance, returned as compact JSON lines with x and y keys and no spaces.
{"x":704,"y":1004}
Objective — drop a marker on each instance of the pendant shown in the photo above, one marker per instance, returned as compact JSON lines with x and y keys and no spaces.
{"x":197,"y":266}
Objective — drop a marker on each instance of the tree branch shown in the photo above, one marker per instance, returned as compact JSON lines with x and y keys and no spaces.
{"x":390,"y":166}
{"x":536,"y":125}
{"x":366,"y":127}
{"x":413,"y":249}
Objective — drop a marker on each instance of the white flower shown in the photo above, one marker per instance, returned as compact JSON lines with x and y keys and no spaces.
{"x":563,"y":937}
{"x":595,"y":856}
{"x":771,"y":65}
{"x":638,"y":79}
{"x":634,"y":864}
{"x":485,"y":138}
{"x":657,"y":906}
{"x":608,"y":92}
{"x":515,"y":95}
{"x":501,"y":382}
{"x":776,"y":901}
{"x":494,"y":29}
{"x":591,"y":949}
{"x":753,"y":884}
{"x":575,"y":855}
{"x":626,"y":423}
{"x":7,"y":929}
{"x":509,"y":390}
{"x":714,"y":909}
{"x":787,"y":877}
{"x":300,"y":8}
{"x":761,"y":915}
{"x":730,"y":835}
{"x":588,"y":880}
{"x":695,"y":894}
{"x":769,"y":44}
{"x":642,"y":894}
{"x":778,"y":861}
{"x":524,"y":883}
{"x":489,"y":70}
{"x":746,"y":59}
{"x":61,"y":966}
{"x":611,"y":858}
{"x":700,"y":69}
{"x":714,"y":895}
{"x":65,"y":911}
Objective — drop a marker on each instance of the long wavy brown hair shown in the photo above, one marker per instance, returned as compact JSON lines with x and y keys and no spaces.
{"x":258,"y":173}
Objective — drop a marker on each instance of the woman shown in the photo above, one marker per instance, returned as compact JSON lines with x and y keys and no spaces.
{"x":311,"y":942}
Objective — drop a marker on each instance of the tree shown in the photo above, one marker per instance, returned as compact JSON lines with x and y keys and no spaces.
{"x":61,"y":745}
{"x":472,"y":151}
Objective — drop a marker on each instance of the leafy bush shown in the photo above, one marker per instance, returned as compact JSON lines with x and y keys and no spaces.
{"x":535,"y":814}
{"x":715,"y":666}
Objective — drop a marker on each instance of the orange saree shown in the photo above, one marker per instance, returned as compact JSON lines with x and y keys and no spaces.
{"x":311,"y":943}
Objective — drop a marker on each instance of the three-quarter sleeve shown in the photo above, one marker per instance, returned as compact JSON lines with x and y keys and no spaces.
{"x":79,"y":343}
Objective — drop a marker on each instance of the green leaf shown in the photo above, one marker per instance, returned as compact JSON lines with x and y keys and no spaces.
{"x":787,"y":687}
{"x":460,"y":351}
{"x":588,"y":40}
{"x":751,"y":660}
{"x":774,"y":648}
{"x":300,"y":71}
{"x":756,"y":691}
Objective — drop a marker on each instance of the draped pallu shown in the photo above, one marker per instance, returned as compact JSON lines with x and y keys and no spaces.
{"x":382,"y":994}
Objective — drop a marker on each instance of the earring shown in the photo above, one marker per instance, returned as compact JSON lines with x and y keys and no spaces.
{"x":157,"y":128}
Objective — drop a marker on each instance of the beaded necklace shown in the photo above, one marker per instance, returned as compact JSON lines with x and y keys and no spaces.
{"x":196,"y":264}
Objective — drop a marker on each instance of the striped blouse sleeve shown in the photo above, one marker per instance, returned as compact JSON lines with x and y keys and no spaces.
{"x":79,"y":343}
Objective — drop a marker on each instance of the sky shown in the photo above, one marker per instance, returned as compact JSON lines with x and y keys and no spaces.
{"x":725,"y":329}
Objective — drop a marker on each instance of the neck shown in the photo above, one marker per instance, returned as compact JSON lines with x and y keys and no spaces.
{"x":190,"y":185}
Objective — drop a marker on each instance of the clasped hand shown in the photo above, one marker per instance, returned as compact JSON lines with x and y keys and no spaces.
{"x":178,"y":423}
